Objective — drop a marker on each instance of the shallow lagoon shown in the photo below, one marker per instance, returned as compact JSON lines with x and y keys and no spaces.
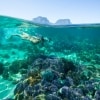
{"x":79,"y":45}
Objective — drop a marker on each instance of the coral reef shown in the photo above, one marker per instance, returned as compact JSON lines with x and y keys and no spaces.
{"x":52,"y":78}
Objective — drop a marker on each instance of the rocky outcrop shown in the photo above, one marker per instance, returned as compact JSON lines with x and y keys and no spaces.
{"x":41,"y":20}
{"x":63,"y":22}
{"x":44,"y":20}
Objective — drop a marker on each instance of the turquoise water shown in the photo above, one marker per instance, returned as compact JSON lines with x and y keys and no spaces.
{"x":77,"y":43}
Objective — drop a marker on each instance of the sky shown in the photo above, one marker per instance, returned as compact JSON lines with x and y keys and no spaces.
{"x":78,"y":11}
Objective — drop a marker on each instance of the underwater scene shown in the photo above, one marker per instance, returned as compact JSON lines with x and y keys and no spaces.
{"x":49,"y":62}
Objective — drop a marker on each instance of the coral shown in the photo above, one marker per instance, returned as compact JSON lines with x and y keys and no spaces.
{"x":65,"y":92}
{"x":41,"y":97}
{"x":49,"y":88}
{"x":58,"y":83}
{"x":97,"y":95}
{"x":49,"y":75}
{"x":85,"y":98}
{"x":25,"y":87}
{"x":86,"y":74}
{"x":52,"y":97}
{"x":68,"y":81}
{"x":51,"y":78}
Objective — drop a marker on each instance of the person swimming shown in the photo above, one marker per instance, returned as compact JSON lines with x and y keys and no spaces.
{"x":33,"y":39}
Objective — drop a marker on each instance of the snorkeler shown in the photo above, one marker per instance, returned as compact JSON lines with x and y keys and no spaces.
{"x":33,"y":39}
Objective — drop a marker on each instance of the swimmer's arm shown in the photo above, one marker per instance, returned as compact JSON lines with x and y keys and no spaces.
{"x":13,"y":35}
{"x":19,"y":35}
